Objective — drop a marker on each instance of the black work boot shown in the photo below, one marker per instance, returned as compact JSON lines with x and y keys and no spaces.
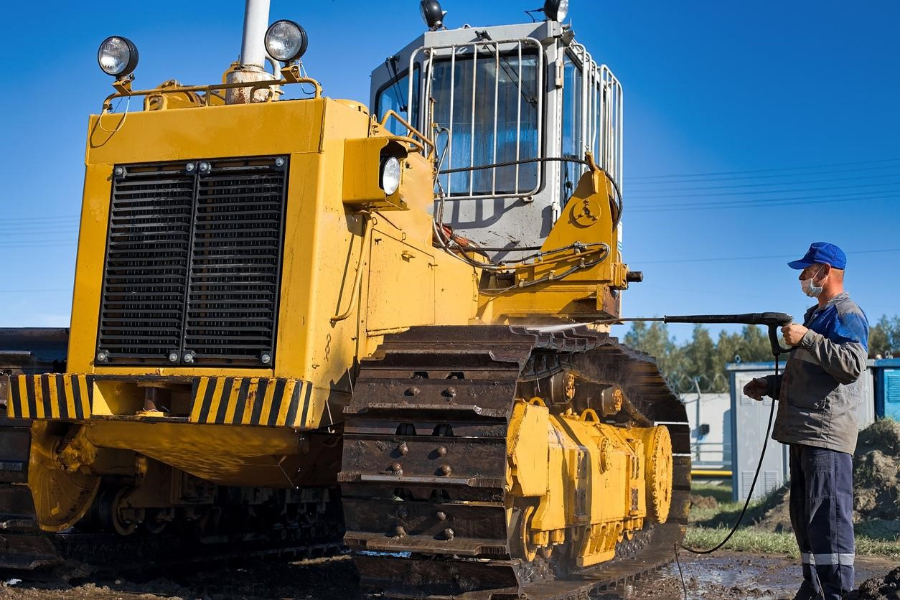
{"x":807,"y":592}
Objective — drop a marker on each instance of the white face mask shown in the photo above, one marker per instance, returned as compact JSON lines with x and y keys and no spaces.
{"x":809,"y":288}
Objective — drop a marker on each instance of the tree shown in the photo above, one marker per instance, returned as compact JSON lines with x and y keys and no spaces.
{"x":654,"y":339}
{"x":702,"y":362}
{"x":884,"y":337}
{"x":700,"y":356}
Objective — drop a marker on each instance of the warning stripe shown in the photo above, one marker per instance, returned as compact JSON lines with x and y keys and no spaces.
{"x":217,"y":400}
{"x":50,"y":396}
{"x":250,"y":401}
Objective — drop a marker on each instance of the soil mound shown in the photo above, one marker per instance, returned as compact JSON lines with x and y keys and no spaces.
{"x":878,"y":588}
{"x":876,"y":486}
{"x":704,"y":501}
{"x":876,"y":482}
{"x":774,"y":513}
{"x":876,"y":472}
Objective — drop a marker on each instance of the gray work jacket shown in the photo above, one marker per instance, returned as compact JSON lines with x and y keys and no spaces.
{"x":821,"y":387}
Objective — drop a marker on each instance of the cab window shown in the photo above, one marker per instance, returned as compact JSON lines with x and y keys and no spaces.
{"x":393,"y":96}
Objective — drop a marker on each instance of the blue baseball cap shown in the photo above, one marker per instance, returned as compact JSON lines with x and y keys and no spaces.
{"x":821,"y":253}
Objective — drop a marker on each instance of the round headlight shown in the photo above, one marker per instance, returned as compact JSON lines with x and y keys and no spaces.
{"x":117,"y":56}
{"x":286,"y":41}
{"x":556,"y":10}
{"x":432,"y":13}
{"x":390,"y":175}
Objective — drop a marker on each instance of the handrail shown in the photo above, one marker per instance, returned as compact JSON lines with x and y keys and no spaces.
{"x":409,"y":139}
{"x":125,"y":91}
{"x":368,"y":225}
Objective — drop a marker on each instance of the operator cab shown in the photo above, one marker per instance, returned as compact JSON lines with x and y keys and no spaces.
{"x":512,"y":111}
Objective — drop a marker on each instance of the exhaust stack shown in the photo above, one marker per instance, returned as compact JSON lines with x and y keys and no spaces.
{"x":256,"y":20}
{"x":253,"y":56}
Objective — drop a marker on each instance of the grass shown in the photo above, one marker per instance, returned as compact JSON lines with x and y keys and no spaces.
{"x":710,"y":525}
{"x":748,"y":539}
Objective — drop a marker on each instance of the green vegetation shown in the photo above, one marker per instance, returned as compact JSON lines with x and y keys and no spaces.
{"x":710,"y":523}
{"x":701,"y":361}
{"x":743,"y":540}
{"x":884,"y":336}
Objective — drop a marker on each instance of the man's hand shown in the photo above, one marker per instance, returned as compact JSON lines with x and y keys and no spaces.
{"x":793,"y":333}
{"x":756,"y":388}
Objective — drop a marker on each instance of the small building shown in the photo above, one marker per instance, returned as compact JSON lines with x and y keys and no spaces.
{"x":750,"y":418}
{"x":709,"y":416}
{"x":886,"y":376}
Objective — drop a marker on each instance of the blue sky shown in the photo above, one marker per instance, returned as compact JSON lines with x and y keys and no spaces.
{"x":752,"y":129}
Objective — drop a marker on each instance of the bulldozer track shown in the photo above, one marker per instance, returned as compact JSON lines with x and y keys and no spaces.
{"x":90,"y":548}
{"x":424,"y":463}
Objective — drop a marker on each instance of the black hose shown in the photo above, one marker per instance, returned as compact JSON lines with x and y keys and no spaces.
{"x":762,"y":455}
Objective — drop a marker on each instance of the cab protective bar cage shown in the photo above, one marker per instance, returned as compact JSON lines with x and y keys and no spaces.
{"x":603,"y":105}
{"x":498,"y":49}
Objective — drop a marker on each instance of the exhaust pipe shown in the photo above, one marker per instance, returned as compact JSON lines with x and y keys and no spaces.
{"x":253,"y":56}
{"x":256,"y":21}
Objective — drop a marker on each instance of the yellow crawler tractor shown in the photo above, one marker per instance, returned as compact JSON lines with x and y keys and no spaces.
{"x":300,"y":322}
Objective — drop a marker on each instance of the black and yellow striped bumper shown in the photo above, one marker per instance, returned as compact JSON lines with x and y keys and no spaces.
{"x":53,"y":396}
{"x":251,"y":401}
{"x":272,"y":402}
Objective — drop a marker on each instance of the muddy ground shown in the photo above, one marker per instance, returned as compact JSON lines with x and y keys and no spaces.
{"x":727,"y":575}
{"x":722,"y":575}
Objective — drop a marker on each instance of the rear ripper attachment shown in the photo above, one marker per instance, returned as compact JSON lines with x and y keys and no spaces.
{"x":498,"y":462}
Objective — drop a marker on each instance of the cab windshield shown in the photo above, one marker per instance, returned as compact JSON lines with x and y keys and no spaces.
{"x":486,"y":105}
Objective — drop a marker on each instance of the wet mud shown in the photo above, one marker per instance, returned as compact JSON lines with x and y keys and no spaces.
{"x":727,"y":575}
{"x":734,"y":575}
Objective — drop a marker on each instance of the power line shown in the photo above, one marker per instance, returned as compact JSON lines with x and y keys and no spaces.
{"x":798,"y":201}
{"x":767,"y":257}
{"x":47,"y":244}
{"x":690,"y":179}
{"x":7,"y":219}
{"x":782,"y":169}
{"x":35,"y":291}
{"x":814,"y":189}
{"x":757,"y":185}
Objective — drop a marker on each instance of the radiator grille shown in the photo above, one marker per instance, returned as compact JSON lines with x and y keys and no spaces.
{"x":193,"y":263}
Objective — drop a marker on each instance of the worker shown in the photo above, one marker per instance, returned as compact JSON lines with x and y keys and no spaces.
{"x":818,"y":395}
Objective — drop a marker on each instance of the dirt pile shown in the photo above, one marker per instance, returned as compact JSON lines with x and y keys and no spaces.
{"x":878,"y":588}
{"x":704,"y":501}
{"x":774,"y":513}
{"x":876,"y":472}
{"x":876,"y":482}
{"x":876,"y":486}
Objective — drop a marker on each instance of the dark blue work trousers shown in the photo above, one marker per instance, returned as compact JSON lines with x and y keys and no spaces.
{"x":822,"y":517}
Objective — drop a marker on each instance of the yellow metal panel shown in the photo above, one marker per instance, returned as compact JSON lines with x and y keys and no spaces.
{"x":38,"y":398}
{"x":11,"y":402}
{"x":401,"y":285}
{"x":362,"y":173}
{"x":85,"y":397}
{"x":23,"y":394}
{"x":178,"y":371}
{"x":219,"y":453}
{"x":252,"y":399}
{"x":233,"y":399}
{"x":286,"y":398}
{"x":54,"y":397}
{"x":216,"y":400}
{"x":89,"y":267}
{"x":70,"y":395}
{"x":221,"y":131}
{"x":198,"y":399}
{"x":528,"y":448}
{"x":585,"y":293}
{"x":267,"y":402}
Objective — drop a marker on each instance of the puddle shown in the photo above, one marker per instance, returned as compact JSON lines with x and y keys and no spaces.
{"x":736,"y":575}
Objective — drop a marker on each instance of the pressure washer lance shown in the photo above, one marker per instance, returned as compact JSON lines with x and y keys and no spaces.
{"x":773,"y":321}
